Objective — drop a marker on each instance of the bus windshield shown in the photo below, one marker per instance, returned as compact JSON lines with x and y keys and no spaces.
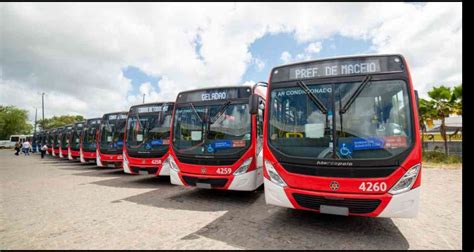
{"x":57,"y":139}
{"x":212,"y":129}
{"x":65,"y":137}
{"x":377,"y":123}
{"x":112,"y":132}
{"x":149,"y":132}
{"x":88,"y":140}
{"x":75,"y":135}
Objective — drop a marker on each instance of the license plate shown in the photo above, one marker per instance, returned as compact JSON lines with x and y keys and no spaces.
{"x":142,"y":172}
{"x":203,"y":185}
{"x":334,"y":210}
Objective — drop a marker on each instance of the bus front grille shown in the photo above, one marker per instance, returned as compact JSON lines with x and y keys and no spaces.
{"x":356,"y":206}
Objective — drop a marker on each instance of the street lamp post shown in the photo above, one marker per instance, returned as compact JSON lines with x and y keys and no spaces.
{"x":42,"y":103}
{"x":36,"y":115}
{"x":143,"y":98}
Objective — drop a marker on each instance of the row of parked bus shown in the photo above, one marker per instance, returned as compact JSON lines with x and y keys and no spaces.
{"x":336,"y":136}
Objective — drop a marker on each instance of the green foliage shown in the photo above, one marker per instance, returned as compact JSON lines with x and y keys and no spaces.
{"x":440,"y":157}
{"x":13,"y":121}
{"x":59,"y":121}
{"x":444,"y":101}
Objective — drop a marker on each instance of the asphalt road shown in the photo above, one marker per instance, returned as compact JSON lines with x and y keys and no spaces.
{"x":59,"y":204}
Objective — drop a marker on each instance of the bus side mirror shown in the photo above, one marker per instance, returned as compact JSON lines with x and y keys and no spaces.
{"x":417,"y":100}
{"x":253,"y":104}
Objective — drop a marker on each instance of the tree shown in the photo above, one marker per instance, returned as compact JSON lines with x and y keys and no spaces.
{"x":59,"y":121}
{"x":425,"y":115}
{"x":13,"y":121}
{"x":445,"y":102}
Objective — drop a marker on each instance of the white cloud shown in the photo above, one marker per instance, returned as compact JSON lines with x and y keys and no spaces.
{"x":286,"y":57}
{"x":259,"y":64}
{"x":75,"y":52}
{"x":315,"y":47}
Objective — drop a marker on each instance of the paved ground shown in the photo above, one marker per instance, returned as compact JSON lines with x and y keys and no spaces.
{"x":55,"y":204}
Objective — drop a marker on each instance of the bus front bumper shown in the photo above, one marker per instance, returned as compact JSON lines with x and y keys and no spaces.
{"x":156,"y":166}
{"x":404,"y":205}
{"x":248,"y":181}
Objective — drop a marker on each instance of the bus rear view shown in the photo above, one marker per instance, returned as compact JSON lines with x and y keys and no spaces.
{"x":110,"y":139}
{"x":147,"y":139}
{"x":215,"y":142}
{"x":342,"y":137}
{"x":88,"y":140}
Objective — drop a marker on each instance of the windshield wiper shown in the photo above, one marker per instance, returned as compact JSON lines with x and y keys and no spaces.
{"x":197,"y":114}
{"x":312,"y":97}
{"x":220,"y":112}
{"x":351,"y":100}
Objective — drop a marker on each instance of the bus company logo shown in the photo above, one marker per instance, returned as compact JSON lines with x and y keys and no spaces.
{"x":334,"y":185}
{"x":203,"y":170}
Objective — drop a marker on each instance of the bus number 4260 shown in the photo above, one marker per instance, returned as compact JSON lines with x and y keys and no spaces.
{"x":373,"y":187}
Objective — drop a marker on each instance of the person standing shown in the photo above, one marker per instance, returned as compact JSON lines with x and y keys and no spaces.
{"x":17,"y":147}
{"x":26,"y":147}
{"x":43,"y":150}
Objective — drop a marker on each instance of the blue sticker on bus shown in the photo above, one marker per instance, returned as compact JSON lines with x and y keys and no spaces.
{"x":222,"y":144}
{"x":157,"y":142}
{"x":369,"y":143}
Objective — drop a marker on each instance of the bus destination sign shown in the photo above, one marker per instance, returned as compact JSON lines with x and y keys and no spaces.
{"x":335,"y":68}
{"x":339,"y":67}
{"x":214,"y":94}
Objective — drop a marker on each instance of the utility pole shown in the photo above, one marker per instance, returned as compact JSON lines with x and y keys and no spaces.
{"x":42,"y":103}
{"x":143,"y":98}
{"x":36,"y":115}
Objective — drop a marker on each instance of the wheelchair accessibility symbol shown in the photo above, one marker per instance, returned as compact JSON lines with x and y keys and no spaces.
{"x":345,"y":151}
{"x":210,"y":149}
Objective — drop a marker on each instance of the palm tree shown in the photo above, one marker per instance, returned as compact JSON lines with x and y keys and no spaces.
{"x":445,"y":102}
{"x":425,"y":114}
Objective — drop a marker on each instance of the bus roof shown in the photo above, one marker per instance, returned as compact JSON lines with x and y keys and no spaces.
{"x":339,"y":58}
{"x":115,"y":113}
{"x":150,"y":107}
{"x":150,"y":103}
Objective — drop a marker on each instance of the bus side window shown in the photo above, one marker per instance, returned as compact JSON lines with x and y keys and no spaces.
{"x":260,"y":115}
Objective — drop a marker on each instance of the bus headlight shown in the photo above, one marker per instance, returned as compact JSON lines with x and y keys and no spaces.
{"x":243,"y":167}
{"x":274,"y":176}
{"x":406,"y":182}
{"x":172,"y":163}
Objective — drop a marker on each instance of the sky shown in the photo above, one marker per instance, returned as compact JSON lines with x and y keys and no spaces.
{"x":94,"y":58}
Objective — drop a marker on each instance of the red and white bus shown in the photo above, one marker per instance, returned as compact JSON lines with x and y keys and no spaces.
{"x":64,"y":141}
{"x":88,"y":140}
{"x":147,"y":139}
{"x":342,"y":137}
{"x":216,"y":141}
{"x":74,"y":141}
{"x":49,"y":141}
{"x":110,"y":139}
{"x":56,"y":141}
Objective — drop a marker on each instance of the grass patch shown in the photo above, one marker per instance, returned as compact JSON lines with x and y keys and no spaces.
{"x":439,"y":159}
